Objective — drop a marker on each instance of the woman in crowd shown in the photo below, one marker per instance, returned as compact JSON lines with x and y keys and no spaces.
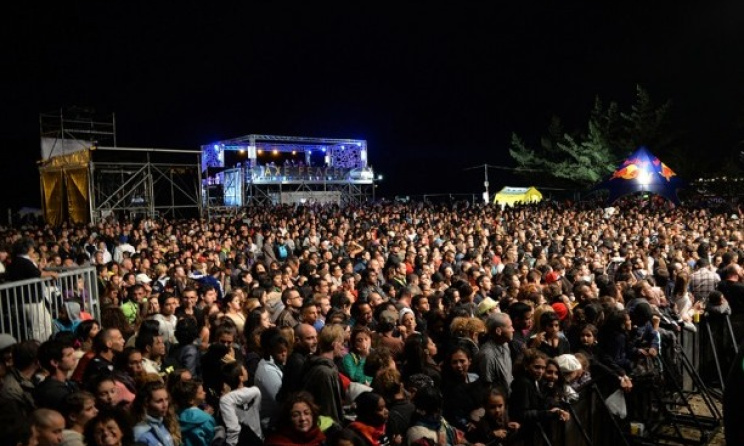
{"x":461,"y":389}
{"x":157,"y":424}
{"x":298,"y":423}
{"x":110,"y":428}
{"x":269,"y":372}
{"x":234,"y":309}
{"x":371,"y":419}
{"x":359,"y":348}
{"x":418,"y":357}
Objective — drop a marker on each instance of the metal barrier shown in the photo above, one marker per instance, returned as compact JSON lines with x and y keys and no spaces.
{"x":28,"y":308}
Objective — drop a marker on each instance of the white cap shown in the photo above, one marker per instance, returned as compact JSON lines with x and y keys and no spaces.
{"x":6,"y":341}
{"x":142,"y":278}
{"x":568,"y":363}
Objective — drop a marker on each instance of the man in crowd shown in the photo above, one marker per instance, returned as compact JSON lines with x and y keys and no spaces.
{"x":58,"y":359}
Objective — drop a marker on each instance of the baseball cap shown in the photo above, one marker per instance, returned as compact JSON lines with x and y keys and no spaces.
{"x":486,"y":305}
{"x":142,"y":278}
{"x":551,"y":277}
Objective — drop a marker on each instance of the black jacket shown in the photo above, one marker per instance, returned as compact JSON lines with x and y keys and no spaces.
{"x":320,"y":378}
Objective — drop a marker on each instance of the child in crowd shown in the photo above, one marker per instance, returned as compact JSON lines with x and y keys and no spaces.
{"x":494,"y":428}
{"x":585,"y":375}
{"x":527,"y":403}
{"x":197,"y":426}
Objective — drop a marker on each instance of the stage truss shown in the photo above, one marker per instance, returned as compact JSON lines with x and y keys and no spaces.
{"x":145,"y":188}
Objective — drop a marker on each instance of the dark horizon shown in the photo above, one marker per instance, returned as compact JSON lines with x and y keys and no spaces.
{"x":432,"y":92}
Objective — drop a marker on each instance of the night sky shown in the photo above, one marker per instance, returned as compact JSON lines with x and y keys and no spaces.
{"x":432,"y":89}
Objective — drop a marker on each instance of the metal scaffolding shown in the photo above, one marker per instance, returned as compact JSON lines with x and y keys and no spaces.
{"x":125,"y":183}
{"x":146,"y":188}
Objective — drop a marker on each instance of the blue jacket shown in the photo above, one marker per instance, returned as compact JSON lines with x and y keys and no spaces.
{"x":197,"y":427}
{"x":152,"y":432}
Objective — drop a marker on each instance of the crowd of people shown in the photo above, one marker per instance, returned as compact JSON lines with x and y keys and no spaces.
{"x":373,"y":325}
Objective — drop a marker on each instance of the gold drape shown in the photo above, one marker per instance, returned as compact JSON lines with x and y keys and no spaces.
{"x":65,"y":181}
{"x":77,"y":194}
{"x":52,"y":184}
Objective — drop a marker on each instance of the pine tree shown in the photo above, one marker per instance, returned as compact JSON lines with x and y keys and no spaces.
{"x":584,"y":158}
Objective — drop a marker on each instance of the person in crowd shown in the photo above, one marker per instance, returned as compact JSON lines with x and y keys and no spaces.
{"x":371,"y":420}
{"x":239,"y":407}
{"x":550,"y":340}
{"x":320,"y":375}
{"x":234,"y":309}
{"x":18,"y":384}
{"x":493,"y":361}
{"x":58,"y":359}
{"x":152,"y":347}
{"x":494,"y":428}
{"x":185,"y":354}
{"x":49,"y":425}
{"x":25,"y":267}
{"x":462,"y":389}
{"x":298,"y":423}
{"x":353,"y":362}
{"x":306,"y":344}
{"x":157,"y":424}
{"x":428,"y":426}
{"x":167,"y":317}
{"x":419,"y":352}
{"x":388,"y":385}
{"x":110,"y":428}
{"x":78,"y":408}
{"x":107,"y":343}
{"x":527,"y":403}
{"x":197,"y":426}
{"x":269,"y":372}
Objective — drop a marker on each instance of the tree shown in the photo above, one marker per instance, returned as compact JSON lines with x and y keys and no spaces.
{"x":585,"y":157}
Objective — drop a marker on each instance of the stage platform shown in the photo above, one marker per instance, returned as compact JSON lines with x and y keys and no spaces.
{"x":269,"y":169}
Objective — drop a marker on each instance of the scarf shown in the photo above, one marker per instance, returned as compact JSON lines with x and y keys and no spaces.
{"x":371,"y":434}
{"x":290,"y":437}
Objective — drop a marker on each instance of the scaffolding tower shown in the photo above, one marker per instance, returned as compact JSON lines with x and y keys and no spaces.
{"x":86,"y":177}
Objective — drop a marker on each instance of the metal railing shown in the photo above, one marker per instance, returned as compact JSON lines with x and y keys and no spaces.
{"x":31,"y":309}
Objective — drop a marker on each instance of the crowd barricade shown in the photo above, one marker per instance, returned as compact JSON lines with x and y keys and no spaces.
{"x":590,"y":424}
{"x":30,"y":307}
{"x":650,"y":406}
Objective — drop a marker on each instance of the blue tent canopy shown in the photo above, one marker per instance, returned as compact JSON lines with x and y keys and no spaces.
{"x":642,"y":172}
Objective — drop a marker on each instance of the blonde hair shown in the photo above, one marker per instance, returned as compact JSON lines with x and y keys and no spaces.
{"x":328,"y":336}
{"x":539,"y":310}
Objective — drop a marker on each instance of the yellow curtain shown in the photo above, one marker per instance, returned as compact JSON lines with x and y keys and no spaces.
{"x":77,"y":194}
{"x":52,"y":185}
{"x":65,"y":183}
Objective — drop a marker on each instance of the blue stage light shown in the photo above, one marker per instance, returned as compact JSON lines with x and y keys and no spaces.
{"x":324,"y":149}
{"x":216,"y":147}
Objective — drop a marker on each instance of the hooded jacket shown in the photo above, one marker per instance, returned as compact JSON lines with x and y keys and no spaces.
{"x":320,"y":378}
{"x":197,"y":427}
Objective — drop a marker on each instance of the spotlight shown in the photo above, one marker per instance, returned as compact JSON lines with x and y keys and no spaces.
{"x":275,"y":152}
